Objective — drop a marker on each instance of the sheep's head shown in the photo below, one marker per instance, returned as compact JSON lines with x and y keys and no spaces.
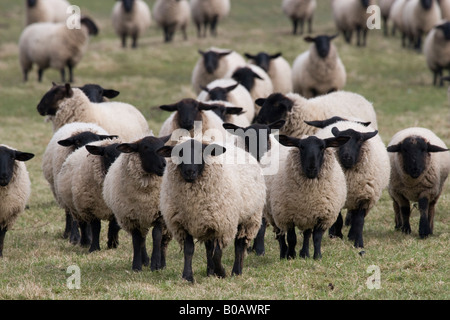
{"x":322,"y":44}
{"x":263,"y":59}
{"x":191,"y":157}
{"x":273,"y":108}
{"x":128,"y":5}
{"x":31,"y":3}
{"x":108,"y":154}
{"x":81,"y":139}
{"x":445,"y":27}
{"x":219,"y":93}
{"x":246,"y":77}
{"x":255,"y":137}
{"x":49,"y":103}
{"x":426,"y":4}
{"x":147,"y":148}
{"x":211,"y":59}
{"x":312,"y":151}
{"x":415,"y":153}
{"x":96,"y":93}
{"x":8,"y":157}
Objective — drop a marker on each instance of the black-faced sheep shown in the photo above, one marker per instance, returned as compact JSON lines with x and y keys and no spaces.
{"x":299,"y":11}
{"x":46,"y":11}
{"x":208,"y":12}
{"x":437,"y":51}
{"x":172,"y":15}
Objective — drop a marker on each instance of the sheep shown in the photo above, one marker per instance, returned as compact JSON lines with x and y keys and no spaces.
{"x":366,"y":166}
{"x":131,"y":190}
{"x":385,"y":9}
{"x":65,"y":104}
{"x":437,"y":51}
{"x":420,"y":164}
{"x":295,"y":109}
{"x":215,"y":63}
{"x":299,"y":11}
{"x":130,"y":18}
{"x":350,"y":15}
{"x":201,"y":198}
{"x":46,"y":11}
{"x":15,"y":187}
{"x":172,"y":15}
{"x":229,"y":90}
{"x":318,"y":70}
{"x":396,"y":16}
{"x":277,"y":67}
{"x":208,"y":12}
{"x":308,"y":191}
{"x":445,"y":8}
{"x":53,"y":45}
{"x":419,"y":17}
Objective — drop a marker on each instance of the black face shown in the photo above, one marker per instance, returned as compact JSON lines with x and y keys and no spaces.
{"x":31,"y":3}
{"x":81,"y":139}
{"x":109,"y":154}
{"x":426,"y":4}
{"x":211,"y":59}
{"x":274,"y":108}
{"x":96,"y":93}
{"x":365,"y":3}
{"x":219,"y":93}
{"x":128,"y":5}
{"x":322,"y":43}
{"x":50,"y":101}
{"x":7,"y":161}
{"x":445,"y":27}
{"x":246,"y":77}
{"x":223,"y":111}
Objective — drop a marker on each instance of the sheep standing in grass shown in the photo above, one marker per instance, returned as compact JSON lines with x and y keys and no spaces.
{"x":46,"y":11}
{"x":207,"y":197}
{"x":319,"y":70}
{"x":299,"y":11}
{"x":15,"y":188}
{"x":172,"y":15}
{"x":208,"y":12}
{"x":132,"y":190}
{"x":385,"y":8}
{"x":396,"y":16}
{"x":130,"y":18}
{"x":420,"y":165}
{"x":437,"y":51}
{"x":53,"y":45}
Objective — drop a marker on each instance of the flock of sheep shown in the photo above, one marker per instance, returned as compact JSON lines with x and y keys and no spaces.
{"x":209,"y":174}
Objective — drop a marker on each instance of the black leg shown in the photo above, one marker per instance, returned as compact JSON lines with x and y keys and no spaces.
{"x":95,"y":244}
{"x":239,"y":251}
{"x":68,"y":225}
{"x":63,"y":75}
{"x":317,"y":241}
{"x":292,"y":242}
{"x":214,"y":25}
{"x":155,"y":263}
{"x":75,"y":236}
{"x":294,"y":26}
{"x":214,"y":259}
{"x":113,"y":234}
{"x":124,"y":40}
{"x":2,"y":239}
{"x":336,"y":229}
{"x":70,"y":67}
{"x":424,"y":224}
{"x":406,"y":213}
{"x":283,"y":246}
{"x":357,"y":226}
{"x":40,"y":73}
{"x":258,"y":243}
{"x":310,"y":22}
{"x":304,"y":252}
{"x":188,"y":254}
{"x":138,"y":244}
{"x":86,"y":234}
{"x":134,"y":37}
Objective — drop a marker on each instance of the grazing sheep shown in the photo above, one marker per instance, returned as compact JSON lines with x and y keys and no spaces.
{"x":299,"y":11}
{"x":131,"y":190}
{"x":295,"y":110}
{"x":308,"y":191}
{"x":214,"y":64}
{"x":351,"y":15}
{"x":420,"y":164}
{"x":437,"y":51}
{"x":396,"y":16}
{"x":46,"y":11}
{"x":130,"y":18}
{"x":53,"y":45}
{"x":172,"y":15}
{"x":385,"y":8}
{"x":15,"y":187}
{"x":208,"y":12}
{"x":445,"y":8}
{"x":319,"y":70}
{"x":366,"y":166}
{"x":277,"y":67}
{"x":231,"y":91}
{"x":65,"y":104}
{"x":206,"y":197}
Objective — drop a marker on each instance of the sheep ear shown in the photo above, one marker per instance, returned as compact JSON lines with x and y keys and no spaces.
{"x":257,"y":75}
{"x":369,"y":135}
{"x":165,"y":139}
{"x":206,"y":107}
{"x":234,"y":110}
{"x":365,"y":124}
{"x":223,"y":54}
{"x":95,"y":150}
{"x":169,"y":107}
{"x":316,"y":123}
{"x":109,"y":93}
{"x":288,"y":141}
{"x":54,"y":84}
{"x":66,"y":142}
{"x":277,"y":124}
{"x":249,"y":56}
{"x":309,"y":39}
{"x":276,"y":55}
{"x":336,"y":142}
{"x":434,"y":148}
{"x":231,"y":126}
{"x":231,"y":88}
{"x":333,"y":36}
{"x":395,"y":147}
{"x":23,"y":156}
{"x":335,"y":131}
{"x":260,"y":101}
{"x":165,"y":151}
{"x":201,"y":52}
{"x":105,"y":137}
{"x":204,"y":89}
{"x":69,"y":91}
{"x":127,"y":147}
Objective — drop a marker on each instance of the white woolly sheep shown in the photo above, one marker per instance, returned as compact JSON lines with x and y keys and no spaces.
{"x":15,"y":187}
{"x":308,"y":191}
{"x":231,"y":91}
{"x":437,"y":51}
{"x":420,"y":164}
{"x":210,"y":198}
{"x":396,"y":17}
{"x":385,"y":8}
{"x":277,"y":67}
{"x":366,"y":166}
{"x":132,"y":190}
{"x":351,"y":15}
{"x":215,"y":63}
{"x":318,"y":70}
{"x":65,"y":104}
{"x":445,"y":8}
{"x":172,"y":15}
{"x":299,"y":11}
{"x":208,"y":12}
{"x":130,"y":18}
{"x":53,"y":45}
{"x":46,"y":11}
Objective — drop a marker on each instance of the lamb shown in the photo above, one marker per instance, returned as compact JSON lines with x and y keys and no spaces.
{"x":15,"y":188}
{"x":437,"y":51}
{"x":308,"y":191}
{"x":65,"y":104}
{"x":215,"y":63}
{"x":277,"y":67}
{"x":46,"y":11}
{"x":350,"y":15}
{"x":231,"y":91}
{"x":295,"y":110}
{"x":299,"y":11}
{"x":420,"y":164}
{"x":130,"y":18}
{"x":385,"y":8}
{"x":366,"y":166}
{"x":172,"y":15}
{"x":131,"y":190}
{"x":201,"y":198}
{"x":208,"y":12}
{"x":319,"y":70}
{"x":53,"y":45}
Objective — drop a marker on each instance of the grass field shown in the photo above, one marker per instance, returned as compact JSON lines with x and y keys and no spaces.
{"x":396,"y":80}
